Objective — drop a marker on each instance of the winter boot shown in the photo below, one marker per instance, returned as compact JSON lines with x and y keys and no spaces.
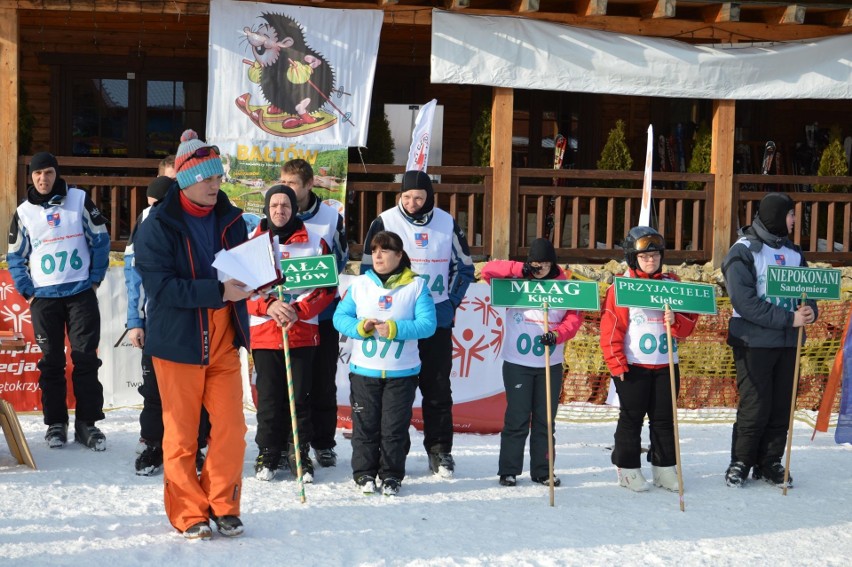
{"x":666,"y":477}
{"x":442,"y":464}
{"x":87,"y":434}
{"x":150,"y":460}
{"x":391,"y":486}
{"x":508,"y":480}
{"x":736,"y":474}
{"x":545,"y":480}
{"x":366,"y":484}
{"x":773,"y":473}
{"x":228,"y":526}
{"x":266,"y":464}
{"x":307,"y":464}
{"x":57,"y":435}
{"x":633,"y":479}
{"x":326,"y":457}
{"x":201,"y":530}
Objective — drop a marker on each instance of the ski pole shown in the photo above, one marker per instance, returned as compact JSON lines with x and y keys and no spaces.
{"x":674,"y":411}
{"x":793,"y":403}
{"x":293,"y":422}
{"x":549,"y":416}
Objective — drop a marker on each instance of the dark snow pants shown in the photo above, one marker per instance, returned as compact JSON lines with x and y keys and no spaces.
{"x":526,"y":403}
{"x":436,"y":359}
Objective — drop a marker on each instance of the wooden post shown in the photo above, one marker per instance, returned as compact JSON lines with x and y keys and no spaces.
{"x":722,"y":166}
{"x":8,"y":119}
{"x":502,"y":206}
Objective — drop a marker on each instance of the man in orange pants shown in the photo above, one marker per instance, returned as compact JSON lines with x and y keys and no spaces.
{"x":195,"y":327}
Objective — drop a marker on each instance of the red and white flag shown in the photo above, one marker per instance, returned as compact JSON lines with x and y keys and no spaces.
{"x":645,"y":208}
{"x":421,"y":138}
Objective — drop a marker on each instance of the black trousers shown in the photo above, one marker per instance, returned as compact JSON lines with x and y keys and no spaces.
{"x":324,"y":387}
{"x":151,"y":416}
{"x":274,"y":428}
{"x":645,"y":391}
{"x":526,"y":414}
{"x":381,"y":415}
{"x":765,"y":386}
{"x":436,"y":359}
{"x":80,"y":317}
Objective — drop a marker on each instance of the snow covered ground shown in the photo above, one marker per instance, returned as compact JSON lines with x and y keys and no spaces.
{"x":88,"y":509}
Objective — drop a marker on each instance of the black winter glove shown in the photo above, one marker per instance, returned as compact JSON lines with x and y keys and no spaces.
{"x":548,"y":338}
{"x":527,"y":271}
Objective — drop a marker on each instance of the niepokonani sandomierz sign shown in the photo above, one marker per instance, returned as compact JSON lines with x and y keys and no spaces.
{"x":790,"y":281}
{"x":309,"y":271}
{"x":557,"y":294}
{"x":656,"y":294}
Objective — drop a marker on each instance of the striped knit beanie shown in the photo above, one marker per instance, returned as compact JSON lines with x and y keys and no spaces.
{"x":192,"y":169}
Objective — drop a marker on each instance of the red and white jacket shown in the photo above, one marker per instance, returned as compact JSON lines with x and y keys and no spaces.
{"x":308,"y":303}
{"x":616,"y":324}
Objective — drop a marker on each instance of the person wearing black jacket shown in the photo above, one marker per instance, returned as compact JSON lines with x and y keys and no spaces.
{"x":763,"y":332}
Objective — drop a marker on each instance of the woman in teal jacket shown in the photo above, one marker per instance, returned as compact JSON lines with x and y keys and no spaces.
{"x":385,"y":311}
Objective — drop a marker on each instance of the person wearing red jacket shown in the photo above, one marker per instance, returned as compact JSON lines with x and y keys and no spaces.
{"x":298,"y":313}
{"x":635,"y":349}
{"x":524,"y":373}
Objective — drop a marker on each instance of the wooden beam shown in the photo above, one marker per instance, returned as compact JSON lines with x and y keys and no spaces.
{"x":722,"y":167}
{"x":792,"y":14}
{"x":9,"y":54}
{"x":456,"y":4}
{"x":838,"y":18}
{"x":590,"y":7}
{"x":721,"y":13}
{"x":657,"y":9}
{"x":504,"y":214}
{"x":525,"y":6}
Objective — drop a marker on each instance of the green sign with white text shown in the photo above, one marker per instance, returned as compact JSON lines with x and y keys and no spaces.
{"x":558,"y":294}
{"x":309,"y":271}
{"x":656,"y":294}
{"x":789,"y":281}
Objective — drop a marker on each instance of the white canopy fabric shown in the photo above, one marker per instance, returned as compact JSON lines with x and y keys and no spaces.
{"x":522,"y":53}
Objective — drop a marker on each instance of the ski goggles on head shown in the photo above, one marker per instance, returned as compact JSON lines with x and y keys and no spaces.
{"x":202,"y":152}
{"x":650,"y":242}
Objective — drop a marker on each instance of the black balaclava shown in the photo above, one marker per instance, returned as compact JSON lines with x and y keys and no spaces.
{"x":415,"y":179}
{"x":541,"y":250}
{"x":772,"y":212}
{"x":292,"y":225}
{"x":43,"y":160}
{"x":159,"y":187}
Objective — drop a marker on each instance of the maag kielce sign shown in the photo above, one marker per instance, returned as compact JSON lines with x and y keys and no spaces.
{"x":656,"y":294}
{"x":557,"y":294}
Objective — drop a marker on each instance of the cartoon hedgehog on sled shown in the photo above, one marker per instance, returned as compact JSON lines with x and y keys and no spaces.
{"x":295,"y":79}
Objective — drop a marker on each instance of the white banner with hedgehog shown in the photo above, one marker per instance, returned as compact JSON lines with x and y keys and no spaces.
{"x":290,"y":75}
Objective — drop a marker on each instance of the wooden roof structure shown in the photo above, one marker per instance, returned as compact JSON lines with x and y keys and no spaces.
{"x":408,"y":22}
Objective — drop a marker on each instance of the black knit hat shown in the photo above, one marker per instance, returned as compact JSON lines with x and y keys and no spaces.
{"x":416,"y":179}
{"x":43,"y":160}
{"x":772,"y":212}
{"x":159,"y":187}
{"x":541,"y":250}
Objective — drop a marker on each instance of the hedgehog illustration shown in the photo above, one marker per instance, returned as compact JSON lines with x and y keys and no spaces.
{"x":294,"y":78}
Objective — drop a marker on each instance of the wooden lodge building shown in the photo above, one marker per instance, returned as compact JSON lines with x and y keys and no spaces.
{"x":59,"y":59}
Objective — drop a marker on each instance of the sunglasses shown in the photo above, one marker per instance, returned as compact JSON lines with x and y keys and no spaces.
{"x":651,"y":240}
{"x":204,"y":152}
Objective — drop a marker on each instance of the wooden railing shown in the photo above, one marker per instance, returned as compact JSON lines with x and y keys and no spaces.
{"x":605,"y":205}
{"x":589,"y":212}
{"x":823,"y":220}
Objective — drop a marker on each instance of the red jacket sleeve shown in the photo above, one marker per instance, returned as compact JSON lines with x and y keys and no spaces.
{"x":614,"y":322}
{"x":501,"y":269}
